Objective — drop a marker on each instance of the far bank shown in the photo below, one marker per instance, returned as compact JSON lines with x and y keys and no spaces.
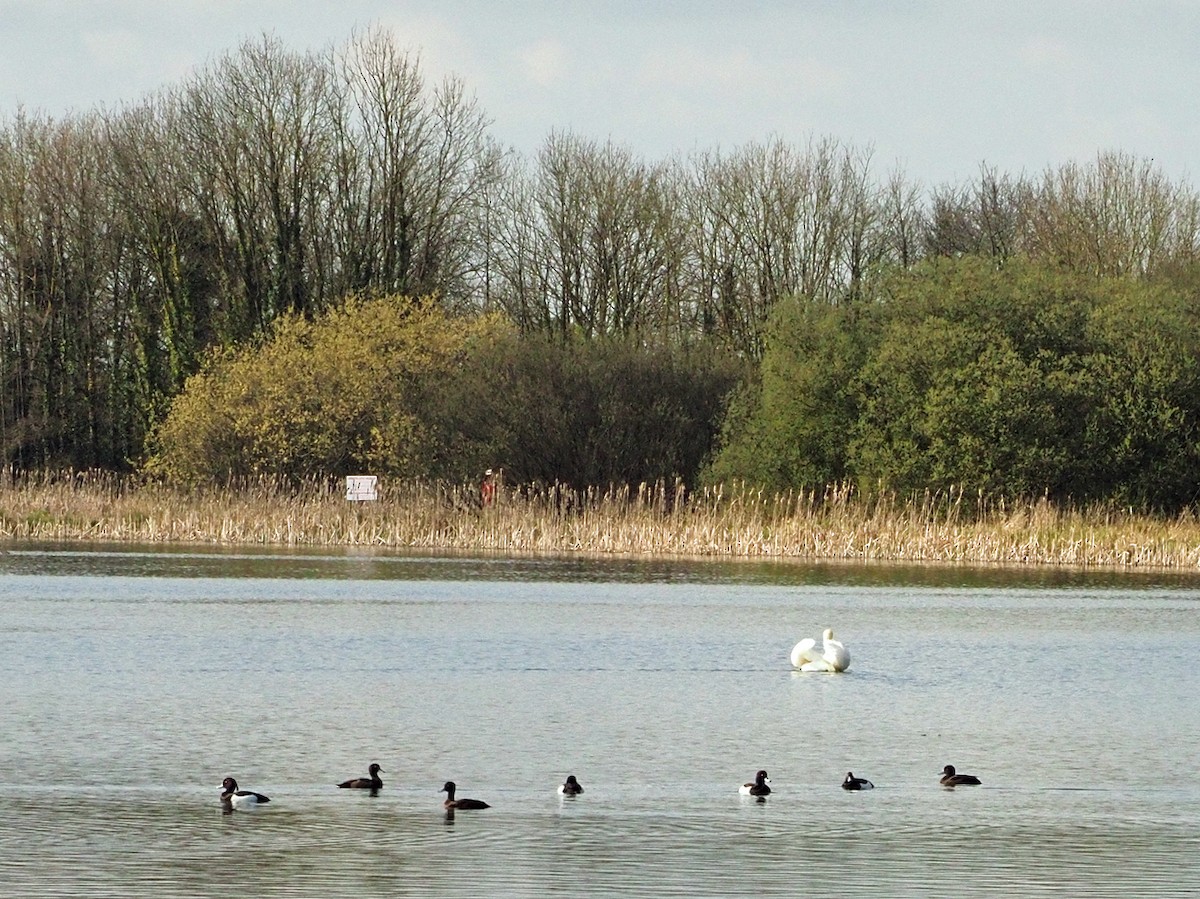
{"x":726,"y":522}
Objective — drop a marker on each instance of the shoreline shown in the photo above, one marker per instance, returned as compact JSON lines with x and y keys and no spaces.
{"x":721,"y":523}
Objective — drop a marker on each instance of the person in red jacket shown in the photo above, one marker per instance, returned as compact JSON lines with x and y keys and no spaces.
{"x":487,"y":490}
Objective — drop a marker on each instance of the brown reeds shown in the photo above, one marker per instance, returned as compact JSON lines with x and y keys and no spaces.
{"x":730,"y":521}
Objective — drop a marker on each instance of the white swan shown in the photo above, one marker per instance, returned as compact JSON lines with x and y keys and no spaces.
{"x":833,"y":656}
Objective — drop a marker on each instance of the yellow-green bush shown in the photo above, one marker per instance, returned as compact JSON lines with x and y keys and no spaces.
{"x":345,"y":393}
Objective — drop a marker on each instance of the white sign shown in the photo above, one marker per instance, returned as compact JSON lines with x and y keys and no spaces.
{"x":361,"y":487}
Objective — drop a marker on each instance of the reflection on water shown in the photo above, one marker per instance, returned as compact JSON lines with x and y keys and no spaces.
{"x":134,"y":682}
{"x":356,"y":563}
{"x":92,"y":846}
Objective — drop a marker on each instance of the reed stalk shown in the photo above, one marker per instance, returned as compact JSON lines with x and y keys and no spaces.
{"x":728,"y":521}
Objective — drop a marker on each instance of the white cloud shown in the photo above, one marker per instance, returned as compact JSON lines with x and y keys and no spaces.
{"x":1044,"y":52}
{"x":112,"y":48}
{"x":942,"y":84}
{"x":544,"y":62}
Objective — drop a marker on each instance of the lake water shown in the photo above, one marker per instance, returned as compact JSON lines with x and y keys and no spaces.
{"x":133,"y":682}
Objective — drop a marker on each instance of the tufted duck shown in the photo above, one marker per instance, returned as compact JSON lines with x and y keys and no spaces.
{"x":758,"y":788}
{"x":451,"y":803}
{"x":856,"y":783}
{"x":950,"y":779}
{"x":365,"y":783}
{"x":571,"y":787}
{"x":235,"y":798}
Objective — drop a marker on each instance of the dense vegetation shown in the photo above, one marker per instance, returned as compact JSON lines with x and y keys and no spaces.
{"x":1017,"y":381}
{"x":262,"y":233}
{"x":397,"y":387}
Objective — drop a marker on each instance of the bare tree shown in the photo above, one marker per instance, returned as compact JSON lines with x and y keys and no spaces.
{"x":1116,"y":216}
{"x":170,"y":302}
{"x":770,"y":222}
{"x":57,"y":327}
{"x":980,"y":218}
{"x":591,"y":241}
{"x":414,"y":169}
{"x":517,"y":264}
{"x":904,"y":220}
{"x":259,"y":159}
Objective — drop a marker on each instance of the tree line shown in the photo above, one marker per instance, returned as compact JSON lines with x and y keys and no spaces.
{"x":1011,"y":383}
{"x":272,"y":184}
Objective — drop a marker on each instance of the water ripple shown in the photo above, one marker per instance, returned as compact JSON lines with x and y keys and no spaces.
{"x":168,"y":847}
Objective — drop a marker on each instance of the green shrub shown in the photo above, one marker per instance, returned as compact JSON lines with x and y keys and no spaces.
{"x":1019,"y":381}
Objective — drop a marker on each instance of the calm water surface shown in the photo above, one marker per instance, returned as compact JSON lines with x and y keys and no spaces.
{"x":133,"y":682}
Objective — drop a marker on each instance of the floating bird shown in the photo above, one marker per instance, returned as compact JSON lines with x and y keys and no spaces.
{"x":235,"y":798}
{"x":451,"y":803}
{"x":833,"y":656}
{"x":951,"y":779}
{"x":856,"y":783}
{"x":372,"y":782}
{"x":570,"y":787}
{"x":759,"y":787}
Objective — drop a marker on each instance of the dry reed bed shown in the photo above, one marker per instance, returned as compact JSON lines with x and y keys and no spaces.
{"x":737,"y":522}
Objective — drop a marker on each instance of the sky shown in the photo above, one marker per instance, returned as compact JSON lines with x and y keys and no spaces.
{"x":934,"y":88}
